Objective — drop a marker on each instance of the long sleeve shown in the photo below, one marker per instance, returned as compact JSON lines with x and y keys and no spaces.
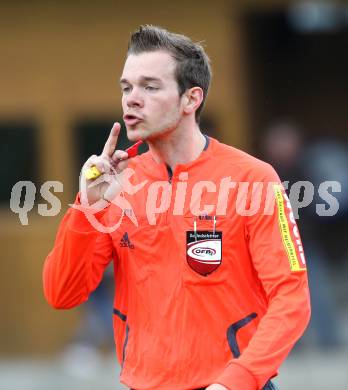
{"x":277,"y":255}
{"x":75,"y":265}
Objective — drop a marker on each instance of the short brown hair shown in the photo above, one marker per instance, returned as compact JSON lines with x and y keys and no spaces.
{"x":192,"y":63}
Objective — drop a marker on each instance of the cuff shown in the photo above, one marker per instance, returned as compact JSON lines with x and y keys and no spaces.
{"x":236,"y":377}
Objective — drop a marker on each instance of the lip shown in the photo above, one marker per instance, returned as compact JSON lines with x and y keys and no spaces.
{"x":131,"y":120}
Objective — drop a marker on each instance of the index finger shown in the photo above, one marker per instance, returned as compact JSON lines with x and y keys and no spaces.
{"x":110,"y":144}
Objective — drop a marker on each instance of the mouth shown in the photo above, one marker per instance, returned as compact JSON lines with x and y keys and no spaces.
{"x":131,"y":120}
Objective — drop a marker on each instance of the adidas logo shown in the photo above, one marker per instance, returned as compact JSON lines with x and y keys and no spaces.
{"x":125,"y":242}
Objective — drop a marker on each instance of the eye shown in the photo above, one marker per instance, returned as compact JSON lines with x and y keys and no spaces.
{"x":151,"y":88}
{"x":125,"y":89}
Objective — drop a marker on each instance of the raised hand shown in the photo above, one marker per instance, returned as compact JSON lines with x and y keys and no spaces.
{"x":110,"y":164}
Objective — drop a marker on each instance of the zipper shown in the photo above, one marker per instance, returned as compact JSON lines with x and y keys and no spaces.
{"x":170,"y":174}
{"x":170,"y":179}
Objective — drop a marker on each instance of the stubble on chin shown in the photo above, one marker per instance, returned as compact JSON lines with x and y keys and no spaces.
{"x":136,"y":134}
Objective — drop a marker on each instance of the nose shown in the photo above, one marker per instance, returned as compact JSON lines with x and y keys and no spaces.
{"x":134,"y":98}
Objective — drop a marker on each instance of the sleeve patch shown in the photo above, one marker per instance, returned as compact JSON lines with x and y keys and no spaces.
{"x":294,"y":251}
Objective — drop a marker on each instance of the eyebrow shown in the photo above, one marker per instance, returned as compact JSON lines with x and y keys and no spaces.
{"x":143,"y":78}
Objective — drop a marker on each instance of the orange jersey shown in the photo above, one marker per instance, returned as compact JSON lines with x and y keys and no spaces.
{"x":211,"y":285}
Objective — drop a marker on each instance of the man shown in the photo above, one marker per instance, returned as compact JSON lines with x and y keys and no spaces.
{"x":211,"y":285}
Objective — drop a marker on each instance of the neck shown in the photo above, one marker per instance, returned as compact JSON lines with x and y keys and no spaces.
{"x":180,"y":146}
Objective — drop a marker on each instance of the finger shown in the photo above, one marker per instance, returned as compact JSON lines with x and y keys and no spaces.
{"x":102,"y":164}
{"x":93,"y":160}
{"x":88,"y":163}
{"x":121,"y":166}
{"x":119,"y":155}
{"x":111,"y":142}
{"x":87,"y":172}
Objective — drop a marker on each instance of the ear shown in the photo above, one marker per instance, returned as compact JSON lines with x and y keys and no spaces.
{"x":192,"y":99}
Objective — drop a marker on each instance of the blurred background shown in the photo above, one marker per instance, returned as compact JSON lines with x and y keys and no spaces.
{"x":279,"y":92}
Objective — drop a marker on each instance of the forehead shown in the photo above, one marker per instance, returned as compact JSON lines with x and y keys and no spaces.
{"x":157,"y":64}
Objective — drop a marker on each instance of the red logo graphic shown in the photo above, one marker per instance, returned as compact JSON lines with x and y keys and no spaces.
{"x":203,"y":254}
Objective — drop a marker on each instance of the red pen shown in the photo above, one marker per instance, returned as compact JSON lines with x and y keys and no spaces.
{"x":133,"y":150}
